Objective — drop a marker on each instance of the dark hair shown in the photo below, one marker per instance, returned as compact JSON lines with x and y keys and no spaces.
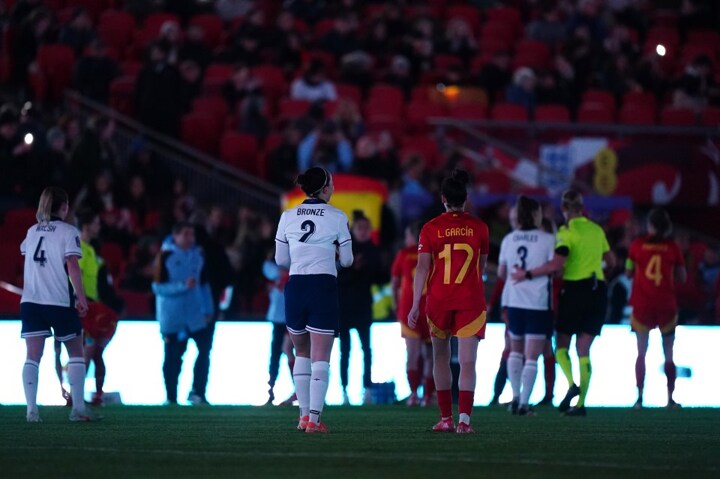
{"x":525,"y":209}
{"x":359,"y":215}
{"x":454,"y":187}
{"x":660,"y":221}
{"x":572,"y":201}
{"x":181,"y":225}
{"x":85,"y":216}
{"x":313,"y":180}
{"x":415,"y":228}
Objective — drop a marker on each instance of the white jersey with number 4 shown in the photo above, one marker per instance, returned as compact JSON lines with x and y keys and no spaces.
{"x":46,"y":248}
{"x":527,"y":249}
{"x":313,"y":231}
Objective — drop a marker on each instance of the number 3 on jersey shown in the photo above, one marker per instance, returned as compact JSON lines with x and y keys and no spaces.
{"x":446,"y":255}
{"x":653,"y":270}
{"x":39,"y":255}
{"x":309,"y":228}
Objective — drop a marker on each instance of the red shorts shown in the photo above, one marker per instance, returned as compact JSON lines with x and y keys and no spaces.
{"x":462,"y":323}
{"x":421,"y":330}
{"x":643,"y":320}
{"x":100,"y":321}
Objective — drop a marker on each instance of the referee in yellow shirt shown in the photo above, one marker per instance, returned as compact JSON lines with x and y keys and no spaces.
{"x":580,"y":249}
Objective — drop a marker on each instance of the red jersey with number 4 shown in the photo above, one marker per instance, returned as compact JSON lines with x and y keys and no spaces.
{"x":653,"y":282}
{"x":456,"y":241}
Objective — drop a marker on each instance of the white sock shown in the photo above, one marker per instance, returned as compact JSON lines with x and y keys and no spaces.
{"x":30,"y":384}
{"x":529,"y":373}
{"x":465,"y":418}
{"x":301,"y":376}
{"x":318,"y":389}
{"x":76,"y":378}
{"x":514,"y":369}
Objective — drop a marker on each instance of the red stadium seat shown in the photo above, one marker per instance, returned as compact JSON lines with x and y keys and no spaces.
{"x":54,"y":73}
{"x":137,"y":304}
{"x":468,"y":111}
{"x":351,"y":92}
{"x":464,"y":12}
{"x":640,"y":98}
{"x":668,"y":37}
{"x":212,"y":25}
{"x":708,"y":37}
{"x":600,"y":96}
{"x":417,"y":115}
{"x":240,"y":150}
{"x":273,"y":80}
{"x":213,"y":105}
{"x":154,"y":22}
{"x":444,"y":62}
{"x":423,"y":146}
{"x":122,"y":95}
{"x":678,"y":117}
{"x":216,"y":74}
{"x":552,"y":113}
{"x":289,"y":109}
{"x":386,"y":94}
{"x":532,"y":53}
{"x":201,"y":131}
{"x":114,"y":257}
{"x":509,"y":112}
{"x":637,"y":115}
{"x":711,"y":116}
{"x":595,"y":112}
{"x":505,"y":15}
{"x":500,"y":33}
{"x":322,"y":27}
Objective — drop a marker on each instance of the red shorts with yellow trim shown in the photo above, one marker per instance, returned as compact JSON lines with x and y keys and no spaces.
{"x":100,"y":321}
{"x":643,"y":320}
{"x":462,"y":323}
{"x":421,"y":330}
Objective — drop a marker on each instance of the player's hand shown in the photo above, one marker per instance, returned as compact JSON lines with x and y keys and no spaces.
{"x":82,"y":307}
{"x":413,"y":316}
{"x":191,"y":282}
{"x":518,"y":275}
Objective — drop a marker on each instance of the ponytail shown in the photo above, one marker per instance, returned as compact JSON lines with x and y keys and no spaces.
{"x":51,"y":200}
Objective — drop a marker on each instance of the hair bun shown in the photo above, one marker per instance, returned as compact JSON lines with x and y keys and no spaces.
{"x":461,"y":176}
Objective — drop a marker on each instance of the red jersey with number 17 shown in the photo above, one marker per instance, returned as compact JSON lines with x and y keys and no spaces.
{"x":456,"y":240}
{"x":653,"y":282}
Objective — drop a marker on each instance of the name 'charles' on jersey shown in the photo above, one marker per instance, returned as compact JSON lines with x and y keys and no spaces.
{"x":46,"y":247}
{"x":456,"y":241}
{"x":313,"y":231}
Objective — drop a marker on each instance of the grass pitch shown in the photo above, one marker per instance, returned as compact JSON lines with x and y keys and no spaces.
{"x":374,"y":441}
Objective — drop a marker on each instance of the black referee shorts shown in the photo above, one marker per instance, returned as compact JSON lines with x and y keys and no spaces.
{"x":582,"y":307}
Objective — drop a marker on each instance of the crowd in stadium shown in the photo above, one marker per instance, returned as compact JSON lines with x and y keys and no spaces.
{"x":274,"y":88}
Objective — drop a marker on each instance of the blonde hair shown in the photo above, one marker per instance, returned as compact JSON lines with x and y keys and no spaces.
{"x":51,"y":200}
{"x":572,"y":201}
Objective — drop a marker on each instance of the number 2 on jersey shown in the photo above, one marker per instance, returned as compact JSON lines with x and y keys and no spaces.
{"x":445,"y":254}
{"x":309,"y":228}
{"x":39,"y":255}
{"x":653,"y":270}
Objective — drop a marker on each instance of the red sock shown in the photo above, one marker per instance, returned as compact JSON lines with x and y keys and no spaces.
{"x":671,"y":373}
{"x":444,"y":397}
{"x":465,"y":401}
{"x":413,"y":376}
{"x":549,"y":361}
{"x":429,"y":387}
{"x":640,"y":372}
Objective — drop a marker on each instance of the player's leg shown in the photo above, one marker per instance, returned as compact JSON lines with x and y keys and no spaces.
{"x":668,"y":340}
{"x":642,"y":338}
{"x":549,"y":367}
{"x":344,"y":337}
{"x":174,"y":349}
{"x":98,"y":348}
{"x":287,"y":349}
{"x":76,"y":377}
{"x":429,"y":380}
{"x":301,"y":375}
{"x":443,"y":381}
{"x":59,"y":371}
{"x":276,"y":345}
{"x":320,"y":350}
{"x":534,"y":346}
{"x":501,"y":376}
{"x":201,"y":371}
{"x":413,"y":347}
{"x":569,"y":310}
{"x":35,"y":346}
{"x":364,"y":335}
{"x":516,"y":325}
{"x":467,"y":355}
{"x":582,"y":344}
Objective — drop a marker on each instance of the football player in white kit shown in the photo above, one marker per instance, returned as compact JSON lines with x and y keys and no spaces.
{"x":48,"y":306}
{"x":310,"y":239}
{"x":528,"y":303}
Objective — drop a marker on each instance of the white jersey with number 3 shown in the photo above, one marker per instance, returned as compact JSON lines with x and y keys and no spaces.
{"x":46,"y":247}
{"x":527,"y":249}
{"x":313,"y":231}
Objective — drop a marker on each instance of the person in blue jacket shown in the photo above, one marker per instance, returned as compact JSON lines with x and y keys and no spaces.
{"x":184,"y":309}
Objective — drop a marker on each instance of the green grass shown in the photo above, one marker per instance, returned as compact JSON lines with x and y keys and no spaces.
{"x":375,"y":442}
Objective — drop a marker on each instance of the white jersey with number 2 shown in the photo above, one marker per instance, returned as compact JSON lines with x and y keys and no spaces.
{"x":46,"y":247}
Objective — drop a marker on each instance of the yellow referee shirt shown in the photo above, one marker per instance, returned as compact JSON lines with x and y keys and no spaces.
{"x":586,"y":243}
{"x":89,"y":266}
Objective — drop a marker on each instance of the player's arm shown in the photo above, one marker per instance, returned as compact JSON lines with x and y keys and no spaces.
{"x":629,"y":268}
{"x":75,"y":276}
{"x":553,"y":266}
{"x":680,"y":273}
{"x":162,"y":286}
{"x":282,"y":247}
{"x":344,"y":247}
{"x":609,"y":260}
{"x":421,"y":273}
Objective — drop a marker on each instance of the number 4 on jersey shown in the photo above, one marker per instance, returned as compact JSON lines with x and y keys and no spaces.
{"x":39,"y":255}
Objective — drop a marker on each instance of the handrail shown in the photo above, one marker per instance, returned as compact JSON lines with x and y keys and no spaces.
{"x":186,"y":155}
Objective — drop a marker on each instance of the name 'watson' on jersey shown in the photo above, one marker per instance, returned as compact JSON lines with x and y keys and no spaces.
{"x":313,"y":230}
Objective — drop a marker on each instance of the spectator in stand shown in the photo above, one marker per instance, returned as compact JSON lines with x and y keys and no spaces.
{"x":194,"y":47}
{"x":289,"y":53}
{"x":522,"y":90}
{"x":230,"y":10}
{"x":14,"y":154}
{"x":357,"y":68}
{"x":376,"y":158}
{"x":72,"y":127}
{"x":157,"y":90}
{"x":399,"y":75}
{"x":309,"y":11}
{"x":171,"y":35}
{"x":342,"y":38}
{"x":618,"y":77}
{"x":582,"y":54}
{"x":95,"y":71}
{"x":190,"y":85}
{"x":696,"y":88}
{"x":313,"y":85}
{"x":37,"y":29}
{"x":459,"y":40}
{"x":22,"y":9}
{"x":282,"y":161}
{"x":244,"y":48}
{"x":144,"y":163}
{"x":94,"y":152}
{"x":326,"y":147}
{"x":589,"y":15}
{"x":420,"y":50}
{"x":377,"y":41}
{"x":348,"y":119}
{"x":137,"y":202}
{"x":415,"y":197}
{"x":140,"y":270}
{"x":356,"y":300}
{"x":79,"y":32}
{"x":244,"y":95}
{"x":549,"y":27}
{"x":58,"y":160}
{"x":495,"y":75}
